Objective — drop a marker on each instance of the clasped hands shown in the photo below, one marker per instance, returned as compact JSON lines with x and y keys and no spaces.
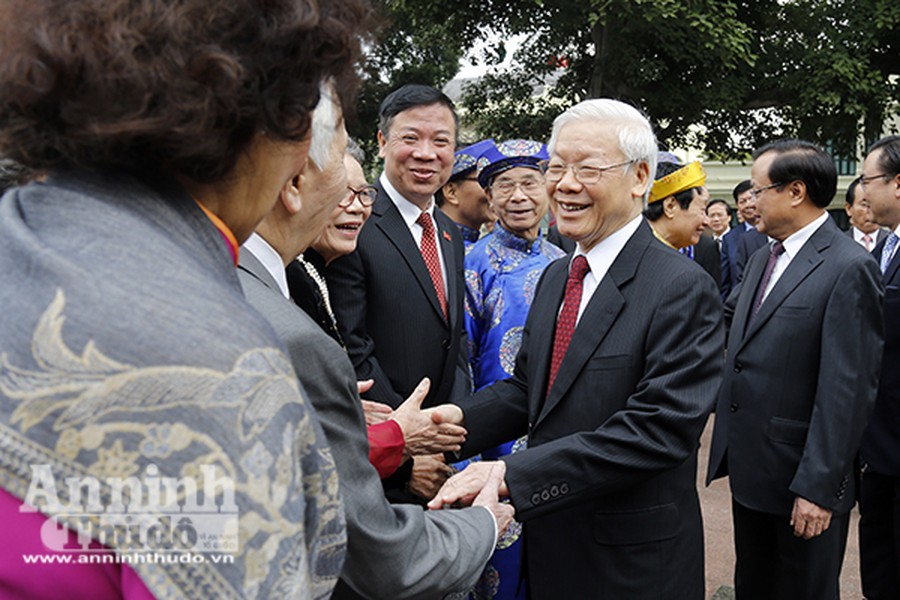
{"x":425,"y":432}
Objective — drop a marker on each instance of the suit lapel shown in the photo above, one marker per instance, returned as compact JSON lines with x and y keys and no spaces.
{"x":250,"y":264}
{"x":598,"y":318}
{"x":806,"y":261}
{"x":391,"y":223}
{"x":445,"y":239}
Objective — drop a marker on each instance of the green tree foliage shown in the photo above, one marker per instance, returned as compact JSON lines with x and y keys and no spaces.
{"x":724,"y":75}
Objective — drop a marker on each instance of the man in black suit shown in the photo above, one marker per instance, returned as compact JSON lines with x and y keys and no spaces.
{"x":618,"y":369}
{"x":747,"y":211}
{"x":879,"y":525}
{"x":400,"y":314}
{"x":803,"y":354}
{"x":863,"y":228}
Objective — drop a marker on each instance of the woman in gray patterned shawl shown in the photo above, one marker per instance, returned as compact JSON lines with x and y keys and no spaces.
{"x":148,"y":416}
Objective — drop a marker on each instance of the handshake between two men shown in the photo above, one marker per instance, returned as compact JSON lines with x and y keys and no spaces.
{"x":427,"y":435}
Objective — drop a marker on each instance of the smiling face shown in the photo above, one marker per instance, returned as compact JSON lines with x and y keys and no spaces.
{"x":882,"y":194}
{"x":589,"y":214}
{"x":418,"y":151}
{"x":342,"y":230}
{"x":688,"y":223}
{"x":519,"y":199}
{"x":747,"y":207}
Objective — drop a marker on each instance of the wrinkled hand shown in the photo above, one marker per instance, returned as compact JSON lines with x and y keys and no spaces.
{"x":809,"y":519}
{"x":424,"y":431}
{"x":428,"y":474}
{"x":375,"y":412}
{"x":489,"y":497}
{"x":466,"y":485}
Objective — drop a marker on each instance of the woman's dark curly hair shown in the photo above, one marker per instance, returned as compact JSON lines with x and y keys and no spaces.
{"x":179,"y":85}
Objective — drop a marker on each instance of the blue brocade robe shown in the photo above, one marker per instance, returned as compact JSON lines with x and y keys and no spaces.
{"x":502,"y":271}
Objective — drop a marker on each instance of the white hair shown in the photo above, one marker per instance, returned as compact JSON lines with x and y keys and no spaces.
{"x":324,"y":126}
{"x":634,"y":132}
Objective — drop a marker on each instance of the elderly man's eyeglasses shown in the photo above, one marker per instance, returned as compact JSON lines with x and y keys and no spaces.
{"x":866,"y":180}
{"x":366,"y":196}
{"x":506,"y":187}
{"x":584,"y":174}
{"x":757,"y":192}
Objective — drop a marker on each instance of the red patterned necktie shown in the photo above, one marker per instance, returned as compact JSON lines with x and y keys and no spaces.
{"x":430,"y":255}
{"x":565,"y":325}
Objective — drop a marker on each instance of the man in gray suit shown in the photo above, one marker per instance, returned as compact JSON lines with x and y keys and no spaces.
{"x":800,"y":382}
{"x":393,"y":551}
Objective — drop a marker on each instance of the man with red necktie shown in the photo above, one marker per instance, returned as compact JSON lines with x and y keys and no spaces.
{"x":618,"y":370}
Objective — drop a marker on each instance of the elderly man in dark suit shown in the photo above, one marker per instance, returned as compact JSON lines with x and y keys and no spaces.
{"x":618,"y":370}
{"x":879,"y":525}
{"x":393,"y":551}
{"x":803,"y":354}
{"x":398,"y":298}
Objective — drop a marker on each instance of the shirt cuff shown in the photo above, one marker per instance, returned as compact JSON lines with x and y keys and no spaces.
{"x":496,"y":529}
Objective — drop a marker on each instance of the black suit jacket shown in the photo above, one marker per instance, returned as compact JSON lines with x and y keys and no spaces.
{"x":881,"y":441}
{"x":748,"y":243}
{"x":706,"y":254}
{"x":388,"y":311}
{"x":800,"y":381}
{"x":607,"y":486}
{"x":559,"y":240}
{"x":729,"y":259}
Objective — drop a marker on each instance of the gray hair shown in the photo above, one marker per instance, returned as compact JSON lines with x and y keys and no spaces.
{"x":355,"y":151}
{"x":324,"y":126}
{"x":633,"y":130}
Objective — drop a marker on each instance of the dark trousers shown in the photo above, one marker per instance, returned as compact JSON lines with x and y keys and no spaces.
{"x":879,"y":536}
{"x":773,"y":564}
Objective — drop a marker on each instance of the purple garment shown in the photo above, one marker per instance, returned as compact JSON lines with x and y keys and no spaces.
{"x":20,"y":580}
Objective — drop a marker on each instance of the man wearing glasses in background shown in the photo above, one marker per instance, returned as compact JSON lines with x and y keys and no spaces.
{"x":620,"y":361}
{"x":804,"y":349}
{"x":879,"y":525}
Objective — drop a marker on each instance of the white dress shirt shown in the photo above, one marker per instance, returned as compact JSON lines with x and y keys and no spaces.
{"x":792,"y":245}
{"x":270,"y":259}
{"x":600,"y":258}
{"x":410,"y":212}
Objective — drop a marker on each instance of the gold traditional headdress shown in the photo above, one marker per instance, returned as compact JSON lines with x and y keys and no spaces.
{"x":685,"y":178}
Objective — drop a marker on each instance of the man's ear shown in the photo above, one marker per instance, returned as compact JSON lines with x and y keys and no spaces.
{"x":382,"y":142}
{"x":451,"y":193}
{"x":797,"y":190}
{"x":669,"y":205}
{"x":290,"y":196}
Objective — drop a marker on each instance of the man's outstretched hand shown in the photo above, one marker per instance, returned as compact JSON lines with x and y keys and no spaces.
{"x":430,"y":431}
{"x":487,"y":479}
{"x":466,"y":485}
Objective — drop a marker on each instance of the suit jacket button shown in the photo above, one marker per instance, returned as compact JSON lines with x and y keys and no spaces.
{"x":445,"y":344}
{"x":738,"y":367}
{"x":535,"y":498}
{"x":564,"y":488}
{"x":734,"y":407}
{"x":554,"y":491}
{"x":545,"y":495}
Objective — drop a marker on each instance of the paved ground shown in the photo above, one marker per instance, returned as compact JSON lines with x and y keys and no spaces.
{"x":716,"y":503}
